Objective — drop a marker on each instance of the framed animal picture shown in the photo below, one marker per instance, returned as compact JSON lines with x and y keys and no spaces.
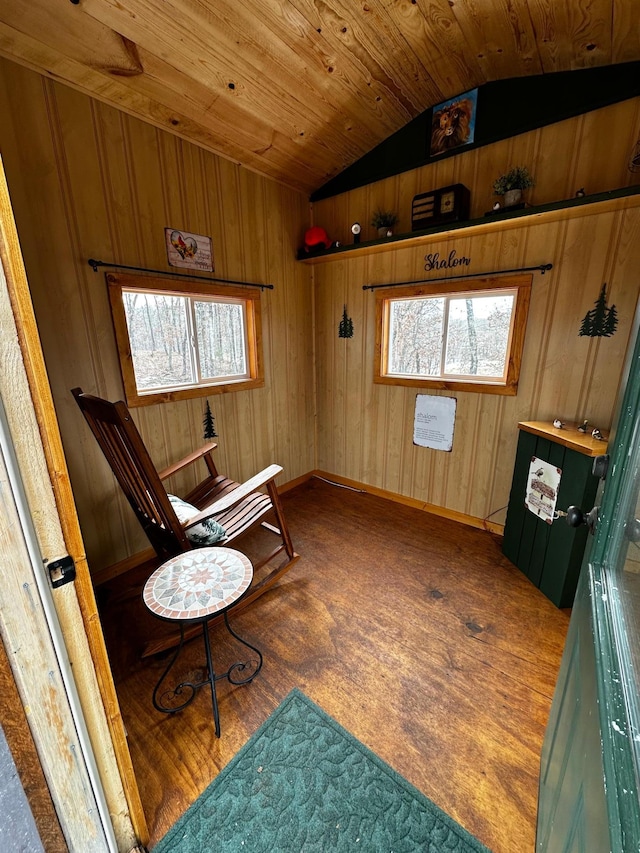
{"x":453,"y":123}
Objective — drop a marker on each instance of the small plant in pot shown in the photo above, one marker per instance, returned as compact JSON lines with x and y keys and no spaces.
{"x":383,"y":221}
{"x":512,"y":183}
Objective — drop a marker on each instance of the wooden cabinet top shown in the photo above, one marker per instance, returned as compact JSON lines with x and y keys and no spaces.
{"x":569,"y":436}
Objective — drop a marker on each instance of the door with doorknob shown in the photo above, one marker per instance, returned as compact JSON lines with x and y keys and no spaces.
{"x":590,"y":766}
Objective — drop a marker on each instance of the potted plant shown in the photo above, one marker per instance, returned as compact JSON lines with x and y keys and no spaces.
{"x":511,"y":184}
{"x":383,"y":221}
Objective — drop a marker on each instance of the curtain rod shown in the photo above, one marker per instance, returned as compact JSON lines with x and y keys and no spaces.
{"x":542,"y":268}
{"x":95,"y":264}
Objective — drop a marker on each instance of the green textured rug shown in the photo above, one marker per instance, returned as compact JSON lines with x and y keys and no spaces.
{"x":303,"y":783}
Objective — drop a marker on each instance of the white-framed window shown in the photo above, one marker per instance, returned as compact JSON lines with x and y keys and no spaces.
{"x":178,"y":339}
{"x":465,"y":335}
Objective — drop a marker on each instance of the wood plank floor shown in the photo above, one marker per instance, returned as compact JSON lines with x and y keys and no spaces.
{"x":414,"y":632}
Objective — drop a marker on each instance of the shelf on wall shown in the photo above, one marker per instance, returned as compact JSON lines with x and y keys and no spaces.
{"x":588,"y":205}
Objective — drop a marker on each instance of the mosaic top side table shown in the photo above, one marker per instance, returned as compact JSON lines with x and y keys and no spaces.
{"x":195,"y":587}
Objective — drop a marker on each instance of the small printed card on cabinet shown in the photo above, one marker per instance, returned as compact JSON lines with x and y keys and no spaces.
{"x":543,"y":483}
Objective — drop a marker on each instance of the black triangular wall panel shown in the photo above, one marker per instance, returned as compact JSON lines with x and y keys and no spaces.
{"x":505,"y":108}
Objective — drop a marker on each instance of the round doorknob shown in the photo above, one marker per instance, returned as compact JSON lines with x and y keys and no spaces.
{"x":575,"y":517}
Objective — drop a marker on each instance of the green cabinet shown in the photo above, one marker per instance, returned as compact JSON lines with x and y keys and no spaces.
{"x":550,"y":555}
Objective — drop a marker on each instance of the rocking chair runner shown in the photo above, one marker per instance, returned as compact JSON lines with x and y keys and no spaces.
{"x":237,"y":507}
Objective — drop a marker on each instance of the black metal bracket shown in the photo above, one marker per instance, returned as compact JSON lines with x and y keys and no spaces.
{"x":600,"y":466}
{"x":94,"y":264}
{"x":541,"y":268}
{"x":61,"y":571}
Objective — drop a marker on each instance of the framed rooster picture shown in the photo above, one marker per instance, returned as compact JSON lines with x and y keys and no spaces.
{"x":453,"y":123}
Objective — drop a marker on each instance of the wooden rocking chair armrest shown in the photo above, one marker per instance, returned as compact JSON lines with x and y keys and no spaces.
{"x":188,"y":460}
{"x":235,"y":496}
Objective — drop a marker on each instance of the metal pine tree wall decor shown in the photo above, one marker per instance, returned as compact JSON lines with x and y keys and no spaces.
{"x":209,"y":423}
{"x":345,"y":330}
{"x":601,"y":321}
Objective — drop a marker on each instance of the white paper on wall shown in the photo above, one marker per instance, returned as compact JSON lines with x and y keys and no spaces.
{"x":434,"y":422}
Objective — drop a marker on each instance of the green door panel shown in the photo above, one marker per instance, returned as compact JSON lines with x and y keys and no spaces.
{"x":590,"y":764}
{"x":572,"y":805}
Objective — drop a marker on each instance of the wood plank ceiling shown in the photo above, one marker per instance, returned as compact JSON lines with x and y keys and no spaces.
{"x":300,"y":89}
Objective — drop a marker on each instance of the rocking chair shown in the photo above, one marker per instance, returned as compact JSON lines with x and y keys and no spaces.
{"x":233,"y":506}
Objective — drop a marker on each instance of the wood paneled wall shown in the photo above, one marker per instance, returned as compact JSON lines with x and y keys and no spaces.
{"x":365,"y":431}
{"x":89,"y":181}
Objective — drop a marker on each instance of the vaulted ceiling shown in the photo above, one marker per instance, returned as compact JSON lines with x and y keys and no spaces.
{"x":300,"y":89}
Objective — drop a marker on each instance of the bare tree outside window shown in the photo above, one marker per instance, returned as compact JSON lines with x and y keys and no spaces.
{"x":220,"y":335}
{"x":457,"y":335}
{"x":178,"y":340}
{"x":158,"y":334}
{"x":473,"y":338}
{"x":478,"y":335}
{"x":415,"y":336}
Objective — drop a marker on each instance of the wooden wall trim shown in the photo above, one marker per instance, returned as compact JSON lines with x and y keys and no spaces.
{"x":432,"y":509}
{"x":76,"y":605}
{"x":554,"y":211}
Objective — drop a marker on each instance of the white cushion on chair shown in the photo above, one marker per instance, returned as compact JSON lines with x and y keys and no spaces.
{"x":208,"y":532}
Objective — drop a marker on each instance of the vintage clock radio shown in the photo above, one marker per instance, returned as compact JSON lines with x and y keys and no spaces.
{"x":448,"y":204}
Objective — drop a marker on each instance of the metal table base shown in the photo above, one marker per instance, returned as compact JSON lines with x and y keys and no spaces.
{"x":232,"y":674}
